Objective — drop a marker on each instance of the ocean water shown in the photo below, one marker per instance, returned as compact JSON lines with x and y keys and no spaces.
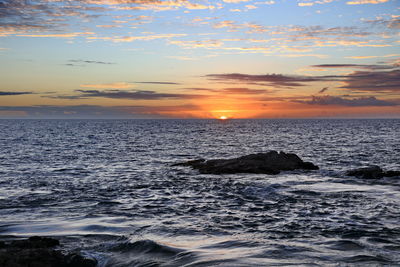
{"x":106,"y":188}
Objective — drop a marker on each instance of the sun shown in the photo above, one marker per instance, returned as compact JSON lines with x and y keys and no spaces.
{"x":223,"y":117}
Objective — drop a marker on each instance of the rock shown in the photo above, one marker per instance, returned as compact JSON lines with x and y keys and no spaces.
{"x":35,"y":242}
{"x":372,"y":172}
{"x":190,"y":162}
{"x":391,"y":174}
{"x":32,"y":257}
{"x":39,"y":252}
{"x":262,"y":163}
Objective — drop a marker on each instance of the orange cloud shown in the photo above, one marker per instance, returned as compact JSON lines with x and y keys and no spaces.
{"x":198,"y":44}
{"x":118,"y":85}
{"x":58,"y":35}
{"x":362,"y":2}
{"x":366,"y":57}
{"x":119,"y":39}
{"x":235,"y":1}
{"x":315,"y":2}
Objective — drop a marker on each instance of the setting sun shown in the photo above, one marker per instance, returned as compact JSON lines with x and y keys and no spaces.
{"x":223,"y":117}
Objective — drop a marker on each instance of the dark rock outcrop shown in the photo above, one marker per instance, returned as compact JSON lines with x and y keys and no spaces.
{"x":262,"y":163}
{"x":372,"y":172}
{"x":391,"y":174}
{"x":39,"y":252}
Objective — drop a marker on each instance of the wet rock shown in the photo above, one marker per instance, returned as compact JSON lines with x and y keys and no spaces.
{"x":372,"y":172}
{"x":262,"y":163}
{"x":35,"y":242}
{"x":391,"y":174}
{"x":39,"y":252}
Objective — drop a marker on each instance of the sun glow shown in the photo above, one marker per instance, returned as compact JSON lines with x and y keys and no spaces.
{"x":230,"y":107}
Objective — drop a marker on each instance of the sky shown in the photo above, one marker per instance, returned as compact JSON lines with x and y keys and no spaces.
{"x":199,"y":59}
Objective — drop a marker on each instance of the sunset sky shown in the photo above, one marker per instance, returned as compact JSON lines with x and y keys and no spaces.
{"x":199,"y":58}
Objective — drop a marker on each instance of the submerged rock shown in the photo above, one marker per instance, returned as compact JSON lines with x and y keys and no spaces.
{"x":372,"y":172}
{"x":39,"y":252}
{"x":262,"y":163}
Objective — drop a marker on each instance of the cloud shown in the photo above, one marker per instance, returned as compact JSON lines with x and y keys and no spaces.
{"x":305,"y":4}
{"x":56,"y":18}
{"x":279,"y":80}
{"x":85,"y":111}
{"x":208,"y":44}
{"x":155,"y":5}
{"x":95,"y":111}
{"x":235,"y":1}
{"x":190,"y":5}
{"x":351,"y":102}
{"x":363,"y":2}
{"x":20,"y":13}
{"x":234,"y":26}
{"x":118,"y":85}
{"x":373,"y":81}
{"x":67,"y":97}
{"x":7,"y":29}
{"x":243,"y":91}
{"x":233,"y":91}
{"x":108,"y":26}
{"x":119,"y":94}
{"x":136,"y":95}
{"x":127,"y":39}
{"x":20,"y":16}
{"x":2,"y":93}
{"x":389,"y":22}
{"x":156,"y":82}
{"x":304,"y":55}
{"x":226,"y":24}
{"x":311,"y":3}
{"x":320,"y":42}
{"x":384,"y":77}
{"x":354,"y":66}
{"x":323,"y":90}
{"x":251,"y":7}
{"x":83,"y":63}
{"x":366,"y":57}
{"x":297,"y":31}
{"x":316,"y":36}
{"x":124,"y":85}
{"x":90,"y":62}
{"x":57,"y":35}
{"x":52,"y":18}
{"x":153,"y":95}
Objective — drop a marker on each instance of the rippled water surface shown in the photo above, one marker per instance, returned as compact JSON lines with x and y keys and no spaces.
{"x":107,"y":188}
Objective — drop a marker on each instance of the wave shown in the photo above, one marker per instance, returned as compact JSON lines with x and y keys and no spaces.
{"x":148,"y":253}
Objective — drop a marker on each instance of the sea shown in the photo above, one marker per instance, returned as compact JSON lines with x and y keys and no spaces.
{"x":107,"y":189}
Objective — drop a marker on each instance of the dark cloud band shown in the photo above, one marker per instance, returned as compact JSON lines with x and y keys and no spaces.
{"x":14,"y":93}
{"x":349,"y":102}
